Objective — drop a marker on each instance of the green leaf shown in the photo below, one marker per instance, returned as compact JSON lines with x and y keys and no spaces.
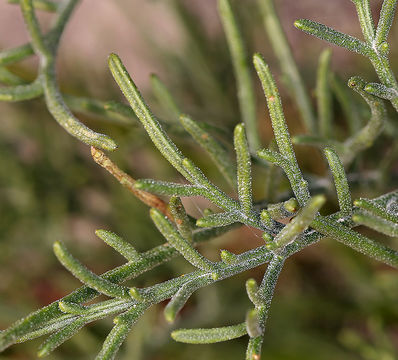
{"x":179,"y":243}
{"x":165,"y":98}
{"x":228,"y":258}
{"x":209,"y":336}
{"x":118,"y":334}
{"x":252,"y":292}
{"x":16,"y":54}
{"x":340,"y":182}
{"x":356,"y":241}
{"x":246,"y":97}
{"x":21,"y":92}
{"x":369,"y":133}
{"x":284,"y":54}
{"x":253,"y":351}
{"x":60,"y":337}
{"x":119,"y":244}
{"x":180,"y":298}
{"x":281,"y":132}
{"x":160,"y":139}
{"x":212,"y":192}
{"x":381,"y":91}
{"x":219,"y":219}
{"x":324,"y":96}
{"x":376,"y":223}
{"x":243,"y":160}
{"x":7,"y":77}
{"x":181,"y":218}
{"x":45,"y":5}
{"x":299,"y":223}
{"x":348,"y":103}
{"x":86,"y":276}
{"x":72,"y":308}
{"x":326,"y":33}
{"x":283,"y":209}
{"x":365,"y":19}
{"x":168,"y":188}
{"x":377,"y":210}
{"x":385,"y":21}
{"x":253,"y":326}
{"x":213,"y":147}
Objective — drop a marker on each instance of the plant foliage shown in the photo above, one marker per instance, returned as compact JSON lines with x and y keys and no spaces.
{"x":287,"y":227}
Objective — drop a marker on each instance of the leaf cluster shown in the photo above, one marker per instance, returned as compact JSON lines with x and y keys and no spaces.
{"x":287,"y":227}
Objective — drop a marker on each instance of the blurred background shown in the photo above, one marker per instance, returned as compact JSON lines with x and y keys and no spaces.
{"x":330,"y":303}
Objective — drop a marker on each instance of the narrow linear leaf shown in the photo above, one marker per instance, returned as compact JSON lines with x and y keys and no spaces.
{"x":252,"y":291}
{"x":11,"y":56}
{"x":60,"y":337}
{"x":324,"y":95}
{"x":181,"y":218}
{"x":209,"y":336}
{"x":179,"y":243}
{"x":348,"y":104}
{"x":165,"y":98}
{"x":365,"y":19}
{"x":180,"y":298}
{"x":356,"y":241}
{"x":168,"y":188}
{"x":253,"y":326}
{"x":212,"y":192}
{"x":246,"y":97}
{"x":284,"y":54}
{"x":53,"y":97}
{"x":72,"y":308}
{"x":283,"y":209}
{"x":213,"y":147}
{"x":381,"y":225}
{"x":114,"y":114}
{"x":86,"y":276}
{"x":7,"y":77}
{"x":219,"y":219}
{"x":387,"y":14}
{"x":317,"y":141}
{"x":369,"y":133}
{"x":45,"y":5}
{"x":118,"y":334}
{"x":253,"y":351}
{"x":299,"y":185}
{"x":300,"y":223}
{"x":328,"y":34}
{"x":228,"y":258}
{"x":160,"y":139}
{"x":120,"y":245}
{"x":377,"y":210}
{"x":266,"y":218}
{"x":340,"y":182}
{"x":21,"y":92}
{"x":267,"y":287}
{"x":243,"y":160}
{"x":281,"y":132}
{"x":381,"y":91}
